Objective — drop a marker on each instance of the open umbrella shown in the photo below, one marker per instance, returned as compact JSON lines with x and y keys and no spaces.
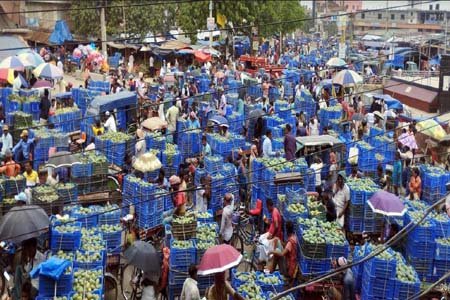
{"x":218,"y":259}
{"x":48,"y":71}
{"x":144,"y":256}
{"x":347,"y":78}
{"x":7,"y":75}
{"x":22,"y":223}
{"x":219,"y":120}
{"x":42,"y":84}
{"x":387,"y":204}
{"x":30,"y":58}
{"x":62,"y":159}
{"x":154,"y":123}
{"x":12,"y":62}
{"x":336,"y":62}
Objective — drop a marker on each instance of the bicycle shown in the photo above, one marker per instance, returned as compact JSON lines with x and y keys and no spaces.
{"x":250,"y":263}
{"x":244,"y":231}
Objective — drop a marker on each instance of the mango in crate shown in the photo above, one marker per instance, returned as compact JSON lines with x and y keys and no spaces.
{"x":87,"y":281}
{"x":245,"y":276}
{"x":296,"y":208}
{"x":313,"y":236}
{"x":106,"y":228}
{"x":269,"y":279}
{"x":416,"y":216}
{"x":88,"y":257}
{"x":443,"y":241}
{"x":66,"y":228}
{"x":183,"y":220}
{"x":182,"y":244}
{"x":204,"y":215}
{"x":251,"y":289}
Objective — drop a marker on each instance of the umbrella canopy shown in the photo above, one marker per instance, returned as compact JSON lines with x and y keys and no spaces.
{"x":218,"y":259}
{"x":219,"y":120}
{"x":154,"y":123}
{"x":336,"y":62}
{"x":12,"y":62}
{"x":42,"y":84}
{"x":144,"y":256}
{"x":387,"y":204}
{"x":48,"y":71}
{"x":347,"y":78}
{"x":33,"y":58}
{"x":7,"y":75}
{"x":22,"y":223}
{"x":202,"y":56}
{"x":379,"y":115}
{"x":62,"y":159}
{"x":23,"y":81}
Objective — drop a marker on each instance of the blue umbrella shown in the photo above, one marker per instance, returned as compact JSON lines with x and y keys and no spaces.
{"x":23,"y":81}
{"x":219,"y":120}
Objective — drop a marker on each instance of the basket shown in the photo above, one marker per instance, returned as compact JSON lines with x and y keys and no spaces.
{"x":236,"y":282}
{"x":182,"y":257}
{"x":63,"y":285}
{"x":68,"y":241}
{"x":314,"y":266}
{"x":270,"y":287}
{"x":100,"y":263}
{"x":184,"y":231}
{"x":316,"y":250}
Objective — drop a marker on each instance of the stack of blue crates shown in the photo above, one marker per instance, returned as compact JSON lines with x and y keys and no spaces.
{"x":83,"y":97}
{"x":67,"y":122}
{"x":434,"y":180}
{"x":150,"y":209}
{"x":189,"y":143}
{"x":235,"y":121}
{"x":99,"y":86}
{"x":379,"y":279}
{"x":180,"y":260}
{"x":421,"y":245}
{"x":32,"y":108}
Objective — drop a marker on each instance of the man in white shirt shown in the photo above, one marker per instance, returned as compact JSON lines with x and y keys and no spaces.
{"x":60,"y":65}
{"x":222,"y":103}
{"x":267,"y":145}
{"x":190,"y":289}
{"x":110,"y":124}
{"x":317,"y":167}
{"x":7,"y":141}
{"x":130,"y":63}
{"x":226,"y":225}
{"x":369,"y":71}
{"x":172,"y":116}
{"x":17,"y":83}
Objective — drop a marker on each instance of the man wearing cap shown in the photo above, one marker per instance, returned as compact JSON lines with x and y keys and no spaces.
{"x":348,"y":280}
{"x":7,"y":141}
{"x":21,"y":199}
{"x":178,"y":199}
{"x":341,"y":197}
{"x":22,"y":150}
{"x":110,"y":124}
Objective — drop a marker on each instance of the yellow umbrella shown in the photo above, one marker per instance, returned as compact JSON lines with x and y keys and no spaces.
{"x":7,"y":75}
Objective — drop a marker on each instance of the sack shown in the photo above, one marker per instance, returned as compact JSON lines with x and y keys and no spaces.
{"x":353,"y":156}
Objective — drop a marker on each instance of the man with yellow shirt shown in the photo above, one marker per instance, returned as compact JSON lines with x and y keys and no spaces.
{"x":31,"y":176}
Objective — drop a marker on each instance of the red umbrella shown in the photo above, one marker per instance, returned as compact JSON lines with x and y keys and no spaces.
{"x":218,"y":259}
{"x":202,"y":56}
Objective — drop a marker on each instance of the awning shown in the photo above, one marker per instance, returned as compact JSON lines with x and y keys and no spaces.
{"x":40,"y":37}
{"x":122,"y":46}
{"x":14,"y":43}
{"x":318,"y":140}
{"x":423,"y":98}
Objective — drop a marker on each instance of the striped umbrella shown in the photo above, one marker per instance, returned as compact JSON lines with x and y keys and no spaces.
{"x":7,"y":75}
{"x":347,"y":78}
{"x":48,"y":71}
{"x":12,"y":62}
{"x":32,"y":58}
{"x":336,"y":62}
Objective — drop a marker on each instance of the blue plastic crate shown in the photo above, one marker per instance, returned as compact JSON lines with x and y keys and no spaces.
{"x":405,"y":290}
{"x":68,"y":296}
{"x":270,"y":287}
{"x":420,"y":232}
{"x":182,"y":257}
{"x":442,"y":251}
{"x":336,"y":251}
{"x":440,"y":268}
{"x":380,"y":268}
{"x":423,"y":250}
{"x":377,"y":287}
{"x":112,"y":239}
{"x":314,"y":266}
{"x":100,"y":263}
{"x":208,"y":219}
{"x":110,"y":216}
{"x":63,"y":240}
{"x":81,"y":170}
{"x":177,"y":277}
{"x":86,"y":220}
{"x":63,"y":285}
{"x":355,"y":224}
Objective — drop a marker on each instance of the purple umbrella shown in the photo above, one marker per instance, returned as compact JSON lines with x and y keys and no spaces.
{"x":42,"y":84}
{"x":387,"y":204}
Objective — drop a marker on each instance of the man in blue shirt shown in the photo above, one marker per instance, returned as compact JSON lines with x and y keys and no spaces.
{"x":193,"y":121}
{"x":206,"y":149}
{"x":22,"y":150}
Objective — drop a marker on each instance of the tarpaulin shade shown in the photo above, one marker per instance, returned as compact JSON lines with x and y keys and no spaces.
{"x":61,"y":33}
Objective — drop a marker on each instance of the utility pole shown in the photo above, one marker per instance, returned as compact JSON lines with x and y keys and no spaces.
{"x":387,"y":15}
{"x":124,"y":19}
{"x":103,"y":28}
{"x":445,"y":39}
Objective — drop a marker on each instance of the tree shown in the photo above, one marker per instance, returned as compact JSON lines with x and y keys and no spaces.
{"x":139,"y":20}
{"x":192,"y":16}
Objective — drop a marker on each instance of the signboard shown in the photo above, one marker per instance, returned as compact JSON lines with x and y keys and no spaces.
{"x":210,"y":23}
{"x":342,"y":50}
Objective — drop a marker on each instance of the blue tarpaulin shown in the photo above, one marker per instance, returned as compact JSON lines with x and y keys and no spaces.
{"x":60,"y":34}
{"x":52,"y":267}
{"x":101,"y":104}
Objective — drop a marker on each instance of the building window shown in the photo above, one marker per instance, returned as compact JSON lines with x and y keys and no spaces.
{"x":402,"y":17}
{"x":379,"y":16}
{"x":363,"y":15}
{"x":412,"y":14}
{"x":392,"y":17}
{"x":437,"y":6}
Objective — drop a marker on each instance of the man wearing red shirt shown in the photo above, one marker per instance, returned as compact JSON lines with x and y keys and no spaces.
{"x":275,"y":229}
